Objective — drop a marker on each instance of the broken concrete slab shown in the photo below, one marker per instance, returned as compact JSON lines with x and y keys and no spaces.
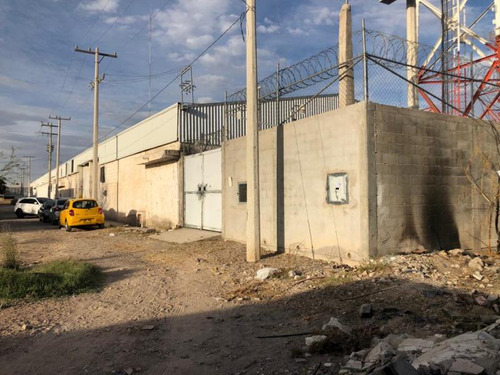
{"x":415,"y":345}
{"x":464,"y":366}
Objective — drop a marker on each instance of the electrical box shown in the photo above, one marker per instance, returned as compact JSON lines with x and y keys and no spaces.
{"x":337,"y":188}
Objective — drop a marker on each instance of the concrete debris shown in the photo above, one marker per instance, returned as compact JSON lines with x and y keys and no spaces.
{"x":481,"y":301}
{"x":265,"y":273}
{"x":456,"y":252}
{"x":149,"y":327}
{"x":415,"y":345}
{"x":477,"y":276}
{"x":335,"y":323}
{"x":112,"y":234}
{"x":366,"y":311}
{"x":313,"y":340}
{"x":476,"y":264}
{"x":464,"y":366}
{"x":471,"y":353}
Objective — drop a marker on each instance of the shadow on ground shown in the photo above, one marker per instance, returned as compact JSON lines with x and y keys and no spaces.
{"x":226,"y":341}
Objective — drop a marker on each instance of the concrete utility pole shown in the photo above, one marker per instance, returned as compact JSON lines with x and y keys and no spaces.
{"x":29,"y":157}
{"x":412,"y":52}
{"x":50,"y":149}
{"x":253,"y":197}
{"x":346,"y":73}
{"x":95,"y":84}
{"x":58,"y":118}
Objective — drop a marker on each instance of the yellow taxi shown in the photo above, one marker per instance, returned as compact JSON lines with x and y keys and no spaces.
{"x":81,"y":212}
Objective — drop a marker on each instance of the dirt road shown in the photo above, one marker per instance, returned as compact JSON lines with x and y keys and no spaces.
{"x":197,"y":309}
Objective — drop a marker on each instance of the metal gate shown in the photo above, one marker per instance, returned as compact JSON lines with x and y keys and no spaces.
{"x":203,"y":191}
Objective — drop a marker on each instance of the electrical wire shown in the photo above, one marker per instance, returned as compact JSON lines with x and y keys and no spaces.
{"x":114,"y":23}
{"x":177,"y":76}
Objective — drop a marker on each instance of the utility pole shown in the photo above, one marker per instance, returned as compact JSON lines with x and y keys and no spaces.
{"x":58,"y":118}
{"x":98,"y":56}
{"x":50,"y":149}
{"x":29,"y":157}
{"x":253,"y":196}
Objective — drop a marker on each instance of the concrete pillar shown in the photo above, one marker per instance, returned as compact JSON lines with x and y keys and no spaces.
{"x":346,"y":82}
{"x":412,"y":51}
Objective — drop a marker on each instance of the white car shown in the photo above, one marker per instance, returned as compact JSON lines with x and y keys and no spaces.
{"x":28,"y":206}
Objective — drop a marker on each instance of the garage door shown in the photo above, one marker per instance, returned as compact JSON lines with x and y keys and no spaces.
{"x":203,"y":191}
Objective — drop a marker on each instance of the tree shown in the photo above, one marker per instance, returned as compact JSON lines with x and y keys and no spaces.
{"x":8,"y":164}
{"x":3,"y":185}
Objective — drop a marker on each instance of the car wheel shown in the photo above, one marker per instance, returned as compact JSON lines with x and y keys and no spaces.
{"x":66,"y":226}
{"x":20,"y":213}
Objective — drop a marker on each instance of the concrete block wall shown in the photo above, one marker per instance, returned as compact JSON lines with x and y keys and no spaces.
{"x":311,"y":149}
{"x":424,"y":199}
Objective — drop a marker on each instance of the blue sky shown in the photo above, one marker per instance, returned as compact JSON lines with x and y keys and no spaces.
{"x":41,"y":75}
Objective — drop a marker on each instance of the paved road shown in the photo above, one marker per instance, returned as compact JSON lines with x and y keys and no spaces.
{"x":27,"y":224}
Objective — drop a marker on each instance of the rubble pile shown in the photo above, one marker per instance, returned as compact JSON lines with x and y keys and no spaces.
{"x":469,"y":353}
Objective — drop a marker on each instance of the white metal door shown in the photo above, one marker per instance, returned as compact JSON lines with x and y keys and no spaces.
{"x":203,"y":191}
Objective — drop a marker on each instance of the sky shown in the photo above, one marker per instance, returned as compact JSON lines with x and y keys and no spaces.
{"x":41,"y":75}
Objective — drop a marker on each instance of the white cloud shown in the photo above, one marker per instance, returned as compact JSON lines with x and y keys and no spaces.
{"x":107,"y":6}
{"x":13,"y":83}
{"x":320,"y":16}
{"x":125,"y":20}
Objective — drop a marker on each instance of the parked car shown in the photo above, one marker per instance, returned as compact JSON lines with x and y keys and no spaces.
{"x":81,"y":212}
{"x":28,"y":206}
{"x":43,"y":212}
{"x":55,"y":210}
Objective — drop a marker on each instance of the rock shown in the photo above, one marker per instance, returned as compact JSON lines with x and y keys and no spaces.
{"x":129,"y":371}
{"x":335,"y":323}
{"x":455,"y":252}
{"x":476,"y":264}
{"x":353,"y":365}
{"x":492,"y":297}
{"x":381,"y":352}
{"x":27,"y":327}
{"x":415,"y":345}
{"x":112,"y":234}
{"x":477,"y":276}
{"x":265,"y":273}
{"x":294,"y":274}
{"x":149,"y":327}
{"x":315,"y":340}
{"x":464,"y":366}
{"x":496,"y":308}
{"x":481,"y":301}
{"x":327,"y":364}
{"x":366,"y":311}
{"x":398,"y":366}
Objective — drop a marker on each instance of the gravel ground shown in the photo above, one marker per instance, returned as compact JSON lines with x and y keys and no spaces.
{"x":198,"y":309}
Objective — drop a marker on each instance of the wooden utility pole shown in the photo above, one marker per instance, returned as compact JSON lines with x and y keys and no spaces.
{"x":253,"y":197}
{"x":98,"y":56}
{"x":50,"y":149}
{"x":58,"y":118}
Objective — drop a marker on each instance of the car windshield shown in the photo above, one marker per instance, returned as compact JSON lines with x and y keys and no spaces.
{"x":42,"y":200}
{"x":85,"y":204}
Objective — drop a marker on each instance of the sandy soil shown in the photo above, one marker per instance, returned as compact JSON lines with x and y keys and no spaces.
{"x":197,"y":308}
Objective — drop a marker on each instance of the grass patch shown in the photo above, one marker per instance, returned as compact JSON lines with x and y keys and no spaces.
{"x":53,"y":279}
{"x":374,"y":266}
{"x":8,"y":245}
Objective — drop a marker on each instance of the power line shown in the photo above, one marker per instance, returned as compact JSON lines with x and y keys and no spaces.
{"x":239,"y":19}
{"x":114,"y":23}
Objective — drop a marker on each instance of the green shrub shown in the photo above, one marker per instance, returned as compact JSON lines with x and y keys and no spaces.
{"x":50,"y":280}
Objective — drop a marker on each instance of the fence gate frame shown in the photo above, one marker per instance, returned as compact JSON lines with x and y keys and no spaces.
{"x":202,"y":191}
